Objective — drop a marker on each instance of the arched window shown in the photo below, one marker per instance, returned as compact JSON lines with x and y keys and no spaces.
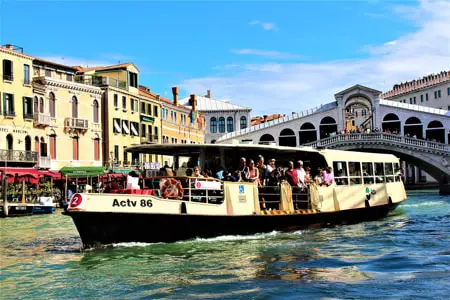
{"x":10,"y":145}
{"x":52,"y":146}
{"x":27,"y":143}
{"x":74,"y":107}
{"x":95,"y":105}
{"x":75,"y":148}
{"x":97,"y":149}
{"x":243,"y":122}
{"x":230,"y":126}
{"x":221,"y":124}
{"x":41,"y":105}
{"x":36,"y":105}
{"x":213,"y":125}
{"x":52,"y":105}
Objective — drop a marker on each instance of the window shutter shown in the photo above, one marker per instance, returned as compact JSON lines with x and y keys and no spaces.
{"x":24,"y":106}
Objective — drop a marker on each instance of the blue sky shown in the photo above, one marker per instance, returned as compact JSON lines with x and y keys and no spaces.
{"x":271,"y":56}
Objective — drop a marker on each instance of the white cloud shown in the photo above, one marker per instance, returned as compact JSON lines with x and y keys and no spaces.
{"x":266,"y":53}
{"x":286,"y":87}
{"x":268,"y":26}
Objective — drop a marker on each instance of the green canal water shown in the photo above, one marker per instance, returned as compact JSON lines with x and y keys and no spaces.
{"x":406,"y":255}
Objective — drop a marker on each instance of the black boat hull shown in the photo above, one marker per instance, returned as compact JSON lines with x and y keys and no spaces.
{"x":100,"y":228}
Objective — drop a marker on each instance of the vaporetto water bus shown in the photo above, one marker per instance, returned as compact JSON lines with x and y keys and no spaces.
{"x":173,"y":207}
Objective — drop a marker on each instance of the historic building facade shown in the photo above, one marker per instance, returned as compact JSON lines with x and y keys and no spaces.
{"x":121,"y":113}
{"x":221,"y":117}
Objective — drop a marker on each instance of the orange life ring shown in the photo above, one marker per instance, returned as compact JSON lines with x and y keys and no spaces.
{"x":172,"y":189}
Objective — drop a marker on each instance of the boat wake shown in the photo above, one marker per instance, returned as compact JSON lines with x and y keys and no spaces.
{"x":427,"y":203}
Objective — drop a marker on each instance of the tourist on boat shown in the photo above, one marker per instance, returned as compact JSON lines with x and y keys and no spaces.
{"x":252,"y":172}
{"x":262,"y":169}
{"x":301,"y":174}
{"x":269,"y":169}
{"x":197,"y":173}
{"x":318,"y":179}
{"x":308,"y":178}
{"x":328,"y":176}
{"x":291,"y":174}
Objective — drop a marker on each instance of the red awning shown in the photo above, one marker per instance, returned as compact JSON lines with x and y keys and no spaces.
{"x":54,"y":175}
{"x":30,"y":172}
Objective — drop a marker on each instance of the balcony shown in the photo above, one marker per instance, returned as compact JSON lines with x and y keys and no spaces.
{"x":101,"y":81}
{"x":151,"y":139}
{"x":18,"y":156}
{"x":45,"y":162}
{"x":76,"y":124}
{"x":41,"y":119}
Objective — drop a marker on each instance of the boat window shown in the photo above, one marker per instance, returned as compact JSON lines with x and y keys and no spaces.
{"x":367,"y":168}
{"x":379,"y":173}
{"x":340,"y":171}
{"x":389,"y":172}
{"x":355,"y":172}
{"x":397,"y":172}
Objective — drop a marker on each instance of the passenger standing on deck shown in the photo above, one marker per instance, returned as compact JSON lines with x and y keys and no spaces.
{"x":197,"y":173}
{"x":252,"y":172}
{"x":301,"y":174}
{"x":269,"y":169}
{"x":262,"y":169}
{"x":291,"y":174}
{"x":328,"y":176}
{"x":243,"y":169}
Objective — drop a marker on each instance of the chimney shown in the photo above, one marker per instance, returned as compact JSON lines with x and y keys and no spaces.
{"x":265,"y":118}
{"x":9,"y":46}
{"x":175,"y":95}
{"x":193,"y":102}
{"x":208,"y":94}
{"x":158,"y":97}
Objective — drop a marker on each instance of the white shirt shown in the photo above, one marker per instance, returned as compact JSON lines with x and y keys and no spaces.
{"x":301,"y":175}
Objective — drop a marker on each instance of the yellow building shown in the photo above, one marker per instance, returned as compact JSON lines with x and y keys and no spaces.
{"x":122,"y":121}
{"x":176,"y":123}
{"x":16,"y":120}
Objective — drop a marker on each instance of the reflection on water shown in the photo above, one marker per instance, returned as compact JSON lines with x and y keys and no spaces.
{"x":405,"y":254}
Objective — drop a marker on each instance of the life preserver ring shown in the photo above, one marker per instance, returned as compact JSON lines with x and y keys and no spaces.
{"x":172,"y":189}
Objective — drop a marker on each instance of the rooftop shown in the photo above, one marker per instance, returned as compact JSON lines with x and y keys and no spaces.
{"x":209,"y":104}
{"x":104,"y":68}
{"x":259,"y":120}
{"x":410,"y":86}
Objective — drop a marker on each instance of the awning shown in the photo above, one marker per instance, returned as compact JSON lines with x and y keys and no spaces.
{"x":117,"y":126}
{"x":21,"y":172}
{"x":54,"y":175}
{"x":133,"y":130}
{"x":125,"y":127}
{"x":82,"y":171}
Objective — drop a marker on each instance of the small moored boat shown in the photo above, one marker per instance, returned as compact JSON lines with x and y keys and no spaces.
{"x":172,"y":208}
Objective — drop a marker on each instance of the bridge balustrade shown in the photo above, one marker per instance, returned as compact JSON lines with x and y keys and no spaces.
{"x":395,"y":139}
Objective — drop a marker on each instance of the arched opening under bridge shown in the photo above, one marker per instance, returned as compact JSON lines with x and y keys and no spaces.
{"x":436,"y":132}
{"x":413,"y":128}
{"x":327,"y":126}
{"x":307,"y":134}
{"x":266,"y":139}
{"x":391,"y":123}
{"x":287,"y":138}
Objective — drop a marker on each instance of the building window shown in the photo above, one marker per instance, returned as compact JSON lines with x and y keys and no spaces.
{"x":69,"y":77}
{"x":437,"y":94}
{"x":142,"y":107}
{"x":230,"y":126}
{"x":116,"y":153}
{"x":116,"y":100}
{"x":26,"y":74}
{"x":76,"y":148}
{"x":426,"y":96}
{"x":149,"y":109}
{"x":221,"y":124}
{"x":74,"y":107}
{"x":133,"y":79}
{"x":156,"y":132}
{"x":48,"y":73}
{"x":124,"y":103}
{"x":52,"y":105}
{"x":97,"y":149}
{"x":8,"y":105}
{"x":132,"y":104}
{"x":41,"y":105}
{"x":414,"y":99}
{"x":27,"y":108}
{"x":410,"y":101}
{"x":243,"y":122}
{"x":213,"y":125}
{"x":96,"y":111}
{"x":421,"y":98}
{"x":143,"y":131}
{"x":155,"y":111}
{"x":8,"y":70}
{"x":448,"y":91}
{"x":363,"y":113}
{"x":53,"y":146}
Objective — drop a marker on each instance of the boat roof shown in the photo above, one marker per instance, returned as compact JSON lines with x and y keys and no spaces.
{"x":189,"y":149}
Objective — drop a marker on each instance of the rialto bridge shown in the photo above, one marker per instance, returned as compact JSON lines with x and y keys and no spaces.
{"x":416,"y":134}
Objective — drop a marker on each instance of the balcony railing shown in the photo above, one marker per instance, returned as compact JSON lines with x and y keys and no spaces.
{"x":75,"y":123}
{"x":18,"y":156}
{"x":45,"y":162}
{"x":101,"y":81}
{"x":41,"y":118}
{"x":151,"y":139}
